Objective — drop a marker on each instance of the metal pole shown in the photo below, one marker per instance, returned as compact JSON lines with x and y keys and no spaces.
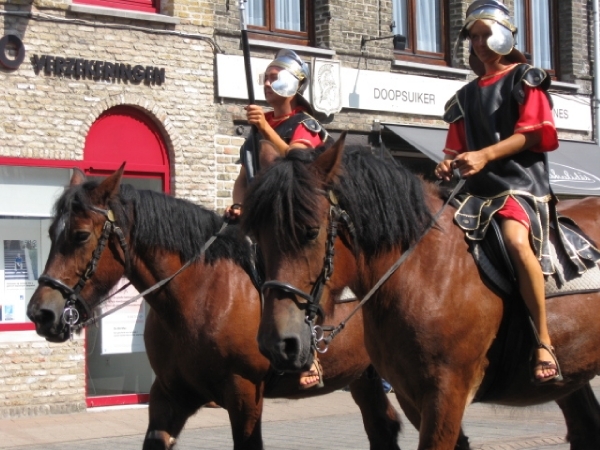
{"x":596,"y":99}
{"x":252,"y":159}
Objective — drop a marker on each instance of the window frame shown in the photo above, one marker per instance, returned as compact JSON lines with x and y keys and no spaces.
{"x":528,"y":51}
{"x":271,"y":32}
{"x":411,"y":53}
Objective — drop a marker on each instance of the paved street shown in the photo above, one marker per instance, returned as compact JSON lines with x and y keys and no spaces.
{"x":330,"y":422}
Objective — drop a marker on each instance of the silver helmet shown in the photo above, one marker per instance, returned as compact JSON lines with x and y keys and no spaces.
{"x":497,"y":16}
{"x":293,"y":79}
{"x":294,"y":76}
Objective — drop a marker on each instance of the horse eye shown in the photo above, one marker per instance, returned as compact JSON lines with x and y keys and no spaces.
{"x":81,"y":236}
{"x":312,"y":233}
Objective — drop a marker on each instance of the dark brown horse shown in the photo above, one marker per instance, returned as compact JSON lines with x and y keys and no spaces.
{"x":434,"y":329}
{"x":201,"y":331}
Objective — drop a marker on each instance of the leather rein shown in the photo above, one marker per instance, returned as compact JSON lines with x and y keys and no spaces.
{"x":320,"y":342}
{"x":70,"y":315}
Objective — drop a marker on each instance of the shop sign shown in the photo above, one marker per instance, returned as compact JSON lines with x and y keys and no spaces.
{"x":8,"y":42}
{"x":79,"y":68}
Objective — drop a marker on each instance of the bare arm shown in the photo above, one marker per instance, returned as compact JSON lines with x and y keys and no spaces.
{"x":469,"y":163}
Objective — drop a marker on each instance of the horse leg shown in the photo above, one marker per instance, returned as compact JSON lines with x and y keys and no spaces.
{"x":380,"y":418}
{"x":582,"y":415}
{"x":244,"y":403}
{"x":166,"y":419}
{"x":413,"y":415}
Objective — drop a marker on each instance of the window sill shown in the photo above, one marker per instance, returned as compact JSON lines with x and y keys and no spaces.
{"x":297,"y":48}
{"x":431,"y":68}
{"x":122,"y":13}
{"x":562,"y":86}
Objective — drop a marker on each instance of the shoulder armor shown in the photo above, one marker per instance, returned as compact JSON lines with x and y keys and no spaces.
{"x":312,"y":125}
{"x":452,"y":110}
{"x":531,"y":76}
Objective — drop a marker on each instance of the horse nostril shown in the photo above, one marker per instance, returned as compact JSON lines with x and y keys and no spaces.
{"x":291,"y":348}
{"x":43,"y":317}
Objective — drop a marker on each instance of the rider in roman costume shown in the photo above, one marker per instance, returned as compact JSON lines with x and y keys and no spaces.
{"x":289,"y":125}
{"x":501,"y":127}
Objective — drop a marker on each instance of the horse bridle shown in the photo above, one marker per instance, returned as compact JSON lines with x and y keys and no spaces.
{"x":70,"y":315}
{"x":313,"y":300}
{"x":320,"y":342}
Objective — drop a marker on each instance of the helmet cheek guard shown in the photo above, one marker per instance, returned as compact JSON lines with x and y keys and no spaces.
{"x":286,"y":84}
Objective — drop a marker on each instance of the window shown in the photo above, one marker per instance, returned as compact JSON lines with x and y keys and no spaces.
{"x":149,"y":6}
{"x":535,"y":20}
{"x":285,"y":20}
{"x":424,"y":25}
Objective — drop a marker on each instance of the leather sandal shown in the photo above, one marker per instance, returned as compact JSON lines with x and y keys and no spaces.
{"x":315,"y":370}
{"x":541,"y":364}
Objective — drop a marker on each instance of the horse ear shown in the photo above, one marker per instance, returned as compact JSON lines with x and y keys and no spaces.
{"x":330,"y":161}
{"x":268,"y":153}
{"x":109,"y":188}
{"x":78,"y":177}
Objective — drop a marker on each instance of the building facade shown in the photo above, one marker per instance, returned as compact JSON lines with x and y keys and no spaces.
{"x":161,"y":86}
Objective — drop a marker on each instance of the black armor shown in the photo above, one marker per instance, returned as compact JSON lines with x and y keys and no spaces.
{"x":490,"y":114}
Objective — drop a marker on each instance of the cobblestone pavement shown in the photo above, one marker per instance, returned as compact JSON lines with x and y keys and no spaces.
{"x":329,"y":422}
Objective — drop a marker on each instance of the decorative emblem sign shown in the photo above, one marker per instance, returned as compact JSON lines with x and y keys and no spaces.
{"x":326,"y":86}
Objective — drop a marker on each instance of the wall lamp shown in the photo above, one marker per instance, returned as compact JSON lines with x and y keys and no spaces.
{"x":398,"y":39}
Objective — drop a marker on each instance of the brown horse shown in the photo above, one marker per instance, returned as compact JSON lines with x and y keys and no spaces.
{"x":434,"y":329}
{"x":201,"y":332}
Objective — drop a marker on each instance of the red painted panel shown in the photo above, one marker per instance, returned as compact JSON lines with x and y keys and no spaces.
{"x":135,"y":5}
{"x":125,"y":134}
{"x":114,"y":400}
{"x":21,"y":326}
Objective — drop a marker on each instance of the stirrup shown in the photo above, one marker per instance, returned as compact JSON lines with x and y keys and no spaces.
{"x":545,"y":364}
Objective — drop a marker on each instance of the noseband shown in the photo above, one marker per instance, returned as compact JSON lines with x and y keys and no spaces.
{"x":72,"y":295}
{"x":313,"y":300}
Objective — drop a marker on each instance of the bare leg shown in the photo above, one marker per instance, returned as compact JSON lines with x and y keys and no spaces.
{"x":531,"y":286}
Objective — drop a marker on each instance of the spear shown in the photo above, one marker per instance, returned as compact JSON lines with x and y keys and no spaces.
{"x":250,"y":156}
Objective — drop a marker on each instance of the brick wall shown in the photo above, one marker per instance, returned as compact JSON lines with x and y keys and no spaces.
{"x":41,"y":378}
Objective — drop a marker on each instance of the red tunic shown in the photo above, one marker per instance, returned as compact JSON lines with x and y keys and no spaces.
{"x":301,"y":135}
{"x":535,"y":116}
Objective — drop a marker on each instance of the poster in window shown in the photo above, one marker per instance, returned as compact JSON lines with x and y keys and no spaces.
{"x":20,"y":275}
{"x":123,"y":330}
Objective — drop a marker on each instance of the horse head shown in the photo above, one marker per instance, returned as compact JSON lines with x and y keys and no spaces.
{"x":87,"y":257}
{"x":288,"y":210}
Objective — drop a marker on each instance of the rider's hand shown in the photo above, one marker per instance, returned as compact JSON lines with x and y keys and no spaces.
{"x":233,"y":212}
{"x":469,"y":163}
{"x":444,"y":170}
{"x":256,"y":117}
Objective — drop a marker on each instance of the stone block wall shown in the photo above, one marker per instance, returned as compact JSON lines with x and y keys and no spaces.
{"x":41,"y":378}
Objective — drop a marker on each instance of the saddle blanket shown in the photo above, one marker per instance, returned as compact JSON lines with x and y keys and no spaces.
{"x":565,"y":281}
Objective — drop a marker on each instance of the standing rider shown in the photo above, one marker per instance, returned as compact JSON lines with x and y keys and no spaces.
{"x":501,"y":127}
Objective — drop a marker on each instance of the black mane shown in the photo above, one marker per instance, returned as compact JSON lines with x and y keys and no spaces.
{"x":384,"y":200}
{"x":160,"y":221}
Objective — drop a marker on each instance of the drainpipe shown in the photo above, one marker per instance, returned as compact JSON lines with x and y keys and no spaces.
{"x":596,"y":74}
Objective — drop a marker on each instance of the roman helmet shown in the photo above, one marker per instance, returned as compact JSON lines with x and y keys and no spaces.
{"x":502,"y":41}
{"x":293,"y":79}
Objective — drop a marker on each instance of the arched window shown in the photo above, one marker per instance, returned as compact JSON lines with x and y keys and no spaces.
{"x":126,"y":134}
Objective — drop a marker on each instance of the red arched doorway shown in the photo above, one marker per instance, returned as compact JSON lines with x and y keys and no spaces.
{"x":117,"y":367}
{"x":126,"y":134}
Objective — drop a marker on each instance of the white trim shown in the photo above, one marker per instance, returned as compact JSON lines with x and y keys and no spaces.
{"x":123,"y":13}
{"x":431,"y":68}
{"x":297,"y":48}
{"x":564,"y":86}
